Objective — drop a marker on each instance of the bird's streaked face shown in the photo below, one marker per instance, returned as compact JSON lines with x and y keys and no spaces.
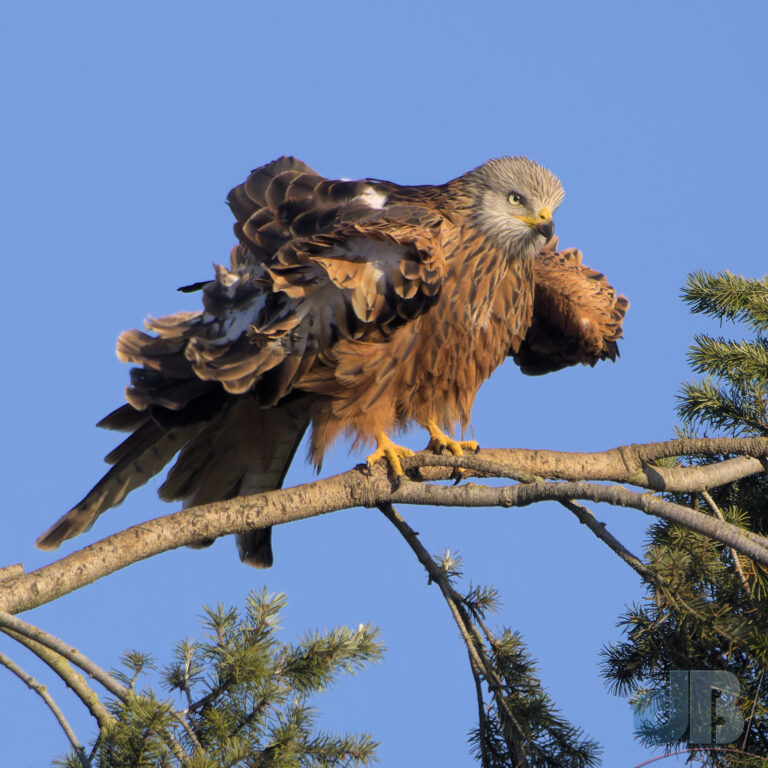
{"x":514,"y":202}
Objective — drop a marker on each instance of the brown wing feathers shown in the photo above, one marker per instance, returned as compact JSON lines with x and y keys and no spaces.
{"x":171,"y":407}
{"x":136,"y":460}
{"x":577,"y":316}
{"x":324,"y":276}
{"x":176,"y":398}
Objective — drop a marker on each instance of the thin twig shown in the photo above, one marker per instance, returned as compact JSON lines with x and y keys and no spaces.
{"x":170,"y":739}
{"x":187,"y":681}
{"x":468,"y":632}
{"x":752,"y":713}
{"x":734,"y":554}
{"x":587,"y":517}
{"x":42,"y":691}
{"x":55,"y":644}
{"x":95,"y":748}
{"x":181,"y":716}
{"x":482,"y":717}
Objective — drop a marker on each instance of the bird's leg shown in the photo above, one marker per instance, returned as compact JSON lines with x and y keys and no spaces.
{"x":439,"y":441}
{"x":391,"y":453}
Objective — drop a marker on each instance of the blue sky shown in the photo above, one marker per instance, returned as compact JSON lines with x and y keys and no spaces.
{"x":124,"y":126}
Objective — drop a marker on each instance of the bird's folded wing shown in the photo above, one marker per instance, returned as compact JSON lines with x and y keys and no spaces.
{"x":577,"y":315}
{"x":362,"y":269}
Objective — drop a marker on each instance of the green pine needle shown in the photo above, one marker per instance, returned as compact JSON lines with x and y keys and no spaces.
{"x":245,"y":697}
{"x":709,"y":607}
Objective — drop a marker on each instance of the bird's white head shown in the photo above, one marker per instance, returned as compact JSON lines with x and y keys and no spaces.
{"x":512,"y":202}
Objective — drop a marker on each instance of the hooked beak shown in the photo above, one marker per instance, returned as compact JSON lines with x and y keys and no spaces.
{"x":543,"y":223}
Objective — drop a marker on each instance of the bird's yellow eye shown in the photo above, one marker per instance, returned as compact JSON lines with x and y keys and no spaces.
{"x":515,"y":198}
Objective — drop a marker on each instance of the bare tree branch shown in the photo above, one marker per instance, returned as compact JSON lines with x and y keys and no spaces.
{"x":42,"y":691}
{"x":8,"y":622}
{"x":626,"y":464}
{"x":369,"y":488}
{"x":71,"y":677}
{"x":181,"y":718}
{"x":11,"y":571}
{"x":57,"y":659}
{"x":587,"y":517}
{"x":620,"y":465}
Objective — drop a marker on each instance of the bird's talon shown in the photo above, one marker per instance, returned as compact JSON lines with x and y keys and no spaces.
{"x":440,"y":442}
{"x":391,"y":453}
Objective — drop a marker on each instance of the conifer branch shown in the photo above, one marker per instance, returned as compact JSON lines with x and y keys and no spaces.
{"x":728,"y":296}
{"x":709,"y":609}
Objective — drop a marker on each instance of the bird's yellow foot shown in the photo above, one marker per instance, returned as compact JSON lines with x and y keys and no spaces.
{"x":440,"y":442}
{"x":386,"y":449}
